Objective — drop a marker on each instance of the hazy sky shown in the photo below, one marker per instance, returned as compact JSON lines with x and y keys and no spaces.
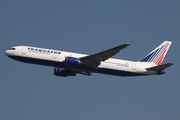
{"x":30,"y":92}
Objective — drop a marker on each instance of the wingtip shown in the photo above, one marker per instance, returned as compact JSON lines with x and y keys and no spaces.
{"x":172,"y":63}
{"x":126,"y":44}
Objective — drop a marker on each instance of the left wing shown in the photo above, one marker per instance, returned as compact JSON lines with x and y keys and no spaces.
{"x":94,"y":60}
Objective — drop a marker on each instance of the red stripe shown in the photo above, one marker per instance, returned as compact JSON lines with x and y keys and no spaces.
{"x":163,"y":50}
{"x":160,"y":57}
{"x":159,"y":61}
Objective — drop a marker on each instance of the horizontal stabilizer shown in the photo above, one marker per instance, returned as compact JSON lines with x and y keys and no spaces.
{"x":160,"y":67}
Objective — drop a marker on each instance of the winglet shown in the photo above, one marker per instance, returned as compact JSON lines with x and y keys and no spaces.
{"x":160,"y":67}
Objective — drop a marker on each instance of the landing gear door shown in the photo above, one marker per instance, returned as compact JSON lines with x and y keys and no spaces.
{"x":23,"y":50}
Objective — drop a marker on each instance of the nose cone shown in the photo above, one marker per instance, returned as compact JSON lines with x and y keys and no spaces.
{"x":8,"y":53}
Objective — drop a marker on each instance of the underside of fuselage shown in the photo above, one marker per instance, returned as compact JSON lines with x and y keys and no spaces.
{"x":76,"y":68}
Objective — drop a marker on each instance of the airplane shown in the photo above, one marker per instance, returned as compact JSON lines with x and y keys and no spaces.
{"x":69,"y":63}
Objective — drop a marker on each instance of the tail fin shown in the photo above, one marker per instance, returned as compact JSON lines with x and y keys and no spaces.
{"x":158,"y":54}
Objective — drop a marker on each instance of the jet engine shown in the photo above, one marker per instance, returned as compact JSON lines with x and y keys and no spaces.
{"x":72,"y":61}
{"x":63,"y":72}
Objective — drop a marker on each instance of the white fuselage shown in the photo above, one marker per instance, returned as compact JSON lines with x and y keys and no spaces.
{"x":56,"y":58}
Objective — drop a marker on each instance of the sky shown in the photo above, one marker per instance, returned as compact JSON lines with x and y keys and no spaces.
{"x":89,"y":26}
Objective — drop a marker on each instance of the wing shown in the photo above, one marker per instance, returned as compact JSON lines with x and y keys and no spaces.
{"x":94,"y":60}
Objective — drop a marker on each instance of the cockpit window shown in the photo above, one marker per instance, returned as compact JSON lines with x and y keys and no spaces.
{"x":12,"y":48}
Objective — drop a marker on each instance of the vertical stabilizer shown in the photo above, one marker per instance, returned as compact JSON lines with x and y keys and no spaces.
{"x":158,"y":54}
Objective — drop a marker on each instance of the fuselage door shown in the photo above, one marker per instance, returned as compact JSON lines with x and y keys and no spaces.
{"x":55,"y":54}
{"x":23,"y":50}
{"x":134,"y":66}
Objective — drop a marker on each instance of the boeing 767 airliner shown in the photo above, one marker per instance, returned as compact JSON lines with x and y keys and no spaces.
{"x":70,"y":64}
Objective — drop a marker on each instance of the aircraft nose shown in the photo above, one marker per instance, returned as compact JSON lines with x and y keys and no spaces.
{"x":7,"y":52}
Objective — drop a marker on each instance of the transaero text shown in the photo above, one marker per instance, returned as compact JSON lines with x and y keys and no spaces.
{"x":42,"y":51}
{"x":118,"y":64}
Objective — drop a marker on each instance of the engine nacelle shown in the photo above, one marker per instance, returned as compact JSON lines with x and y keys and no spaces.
{"x":63,"y":72}
{"x":72,"y":61}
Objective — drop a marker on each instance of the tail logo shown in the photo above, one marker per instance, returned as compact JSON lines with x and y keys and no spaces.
{"x":157,"y":55}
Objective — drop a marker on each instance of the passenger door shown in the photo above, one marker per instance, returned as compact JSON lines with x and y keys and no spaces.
{"x":23,"y":50}
{"x":134,"y":66}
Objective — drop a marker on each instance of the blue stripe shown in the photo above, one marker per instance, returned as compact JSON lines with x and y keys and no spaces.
{"x":62,"y":65}
{"x":156,"y":53}
{"x":38,"y":61}
{"x":147,"y":58}
{"x":152,"y":56}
